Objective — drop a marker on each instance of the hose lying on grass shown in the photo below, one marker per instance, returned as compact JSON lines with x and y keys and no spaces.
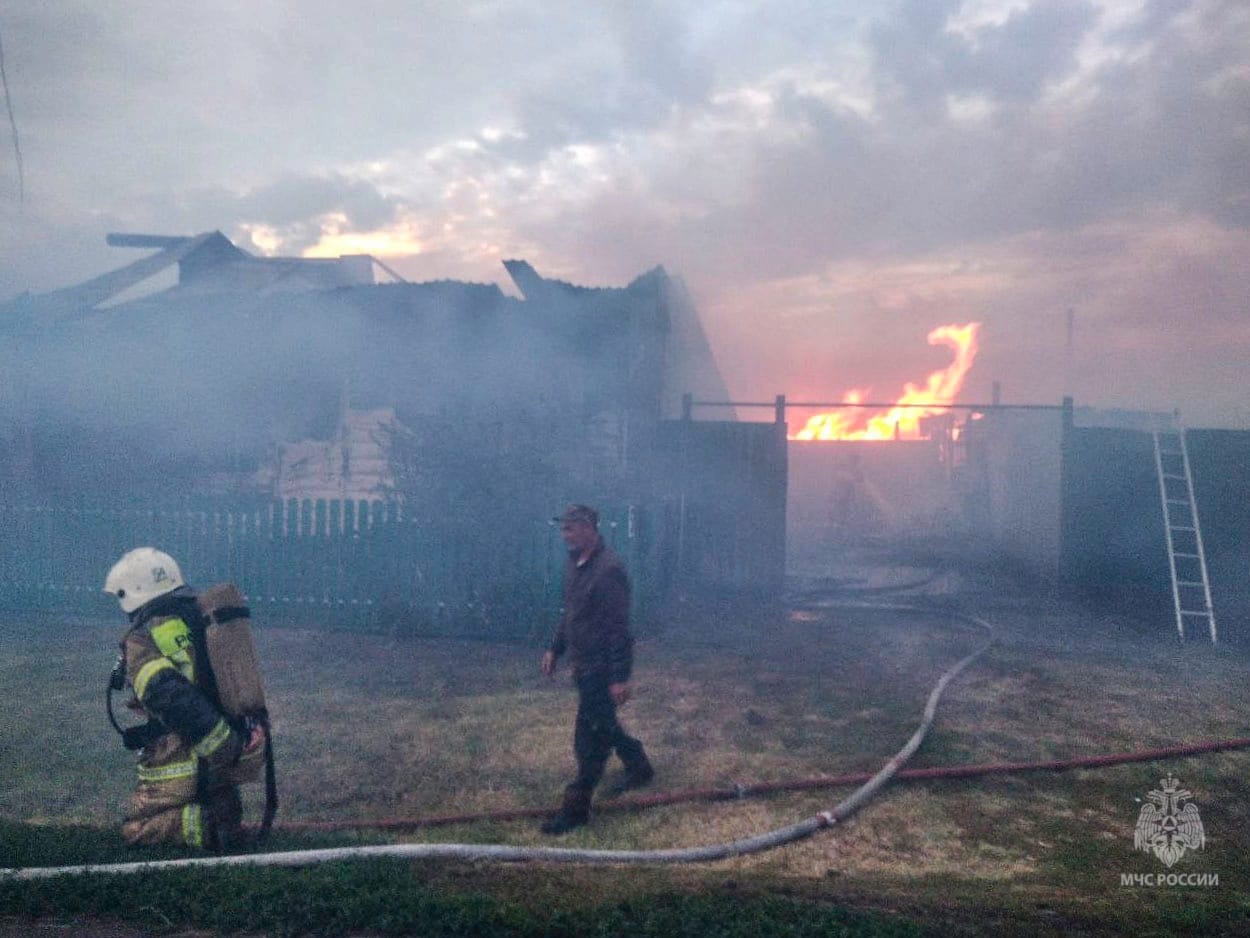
{"x":638,"y":803}
{"x":503,"y":852}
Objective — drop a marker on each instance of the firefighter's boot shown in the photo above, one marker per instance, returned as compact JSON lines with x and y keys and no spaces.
{"x":574,"y":812}
{"x":223,"y":816}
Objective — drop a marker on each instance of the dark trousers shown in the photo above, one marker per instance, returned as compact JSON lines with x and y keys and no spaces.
{"x":598,"y":732}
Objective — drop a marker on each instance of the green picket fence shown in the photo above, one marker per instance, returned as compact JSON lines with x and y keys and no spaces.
{"x":346,"y":564}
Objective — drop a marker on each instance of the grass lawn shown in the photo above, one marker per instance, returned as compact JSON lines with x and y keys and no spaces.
{"x":371,"y":727}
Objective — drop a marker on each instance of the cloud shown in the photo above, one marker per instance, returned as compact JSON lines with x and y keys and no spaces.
{"x":1158,"y":301}
{"x":1011,"y":60}
{"x":754,"y":149}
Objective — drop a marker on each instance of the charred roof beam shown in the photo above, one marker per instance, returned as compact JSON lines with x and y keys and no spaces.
{"x":118,"y":239}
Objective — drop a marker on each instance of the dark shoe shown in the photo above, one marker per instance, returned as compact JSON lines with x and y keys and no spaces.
{"x":223,"y":821}
{"x":639,"y":777}
{"x":562,"y":822}
{"x":229,"y":838}
{"x":574,"y":812}
{"x":240,"y":840}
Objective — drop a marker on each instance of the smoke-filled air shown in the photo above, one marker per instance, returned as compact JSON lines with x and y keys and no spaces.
{"x":831,"y":184}
{"x":704,"y":468}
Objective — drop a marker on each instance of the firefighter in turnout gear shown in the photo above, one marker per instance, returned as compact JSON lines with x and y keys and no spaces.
{"x":191,"y":754}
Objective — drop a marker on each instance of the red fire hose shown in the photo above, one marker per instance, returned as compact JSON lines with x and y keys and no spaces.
{"x":638,"y":803}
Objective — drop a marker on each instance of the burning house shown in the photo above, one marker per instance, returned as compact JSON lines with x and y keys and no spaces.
{"x":1115,"y":507}
{"x":861,"y":470}
{"x":242,"y":354}
{"x":325,"y":397}
{"x":333,"y":436}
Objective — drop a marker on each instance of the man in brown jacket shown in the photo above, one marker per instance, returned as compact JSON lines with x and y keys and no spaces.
{"x":594,"y":630}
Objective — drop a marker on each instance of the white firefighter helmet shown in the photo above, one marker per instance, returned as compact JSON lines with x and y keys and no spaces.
{"x":141,"y":575}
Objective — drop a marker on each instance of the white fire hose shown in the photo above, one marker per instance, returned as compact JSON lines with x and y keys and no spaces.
{"x":508,"y":853}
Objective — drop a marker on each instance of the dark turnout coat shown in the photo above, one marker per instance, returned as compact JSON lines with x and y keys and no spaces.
{"x":594,"y":626}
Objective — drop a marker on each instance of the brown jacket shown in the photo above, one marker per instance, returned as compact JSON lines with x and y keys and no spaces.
{"x":594,"y":625}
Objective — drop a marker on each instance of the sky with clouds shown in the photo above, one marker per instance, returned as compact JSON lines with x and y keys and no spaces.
{"x":831,"y":179}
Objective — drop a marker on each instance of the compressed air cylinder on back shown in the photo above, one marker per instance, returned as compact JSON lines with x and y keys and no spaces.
{"x":228,"y":640}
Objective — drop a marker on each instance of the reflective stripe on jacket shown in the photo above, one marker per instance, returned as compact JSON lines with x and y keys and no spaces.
{"x":161,"y":668}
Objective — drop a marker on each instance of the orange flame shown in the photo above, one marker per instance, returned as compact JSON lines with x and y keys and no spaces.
{"x":941,"y":387}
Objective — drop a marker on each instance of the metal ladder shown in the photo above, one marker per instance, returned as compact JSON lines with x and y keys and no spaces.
{"x":1187,"y":561}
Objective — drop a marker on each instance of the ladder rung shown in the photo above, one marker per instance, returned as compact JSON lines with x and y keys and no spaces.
{"x":1172,"y":465}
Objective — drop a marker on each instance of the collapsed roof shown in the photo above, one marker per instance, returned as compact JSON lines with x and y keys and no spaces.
{"x":243,"y":352}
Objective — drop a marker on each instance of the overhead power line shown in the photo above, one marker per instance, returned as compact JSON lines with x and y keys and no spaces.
{"x":17,"y":148}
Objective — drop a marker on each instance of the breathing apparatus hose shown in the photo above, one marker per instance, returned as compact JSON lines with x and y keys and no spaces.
{"x":508,"y":853}
{"x":116,"y":681}
{"x":271,"y":783}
